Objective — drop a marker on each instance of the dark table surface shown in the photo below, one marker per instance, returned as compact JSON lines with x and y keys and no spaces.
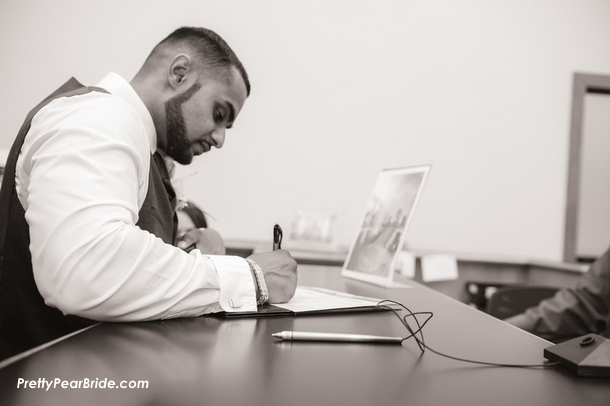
{"x":215,"y":361}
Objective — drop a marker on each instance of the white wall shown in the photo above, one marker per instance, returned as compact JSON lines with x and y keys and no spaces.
{"x":593,"y":219}
{"x":479,"y":89}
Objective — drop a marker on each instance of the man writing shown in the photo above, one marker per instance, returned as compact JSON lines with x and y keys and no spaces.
{"x":86,"y":210}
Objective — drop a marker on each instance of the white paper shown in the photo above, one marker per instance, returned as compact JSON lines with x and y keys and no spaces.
{"x":312,"y":299}
{"x":439,"y":267}
{"x":405,"y":264}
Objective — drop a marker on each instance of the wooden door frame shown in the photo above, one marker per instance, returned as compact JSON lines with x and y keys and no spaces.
{"x":583,"y":83}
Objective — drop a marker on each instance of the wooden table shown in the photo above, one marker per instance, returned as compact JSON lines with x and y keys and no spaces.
{"x":215,"y":361}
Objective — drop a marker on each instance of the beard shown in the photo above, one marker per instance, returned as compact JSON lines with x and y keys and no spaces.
{"x":178,"y":144}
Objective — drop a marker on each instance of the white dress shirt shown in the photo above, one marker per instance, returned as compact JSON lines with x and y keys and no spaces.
{"x":82,"y":177}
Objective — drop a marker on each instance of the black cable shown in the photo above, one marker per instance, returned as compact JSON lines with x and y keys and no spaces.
{"x":422,"y":344}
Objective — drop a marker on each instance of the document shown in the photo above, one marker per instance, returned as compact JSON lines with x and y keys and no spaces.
{"x":311,"y":300}
{"x":439,"y":267}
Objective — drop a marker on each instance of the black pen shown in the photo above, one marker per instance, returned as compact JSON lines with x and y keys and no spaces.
{"x":278,"y":234}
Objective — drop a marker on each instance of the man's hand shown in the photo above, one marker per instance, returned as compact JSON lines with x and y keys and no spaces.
{"x":206,"y":240}
{"x":280,"y":271}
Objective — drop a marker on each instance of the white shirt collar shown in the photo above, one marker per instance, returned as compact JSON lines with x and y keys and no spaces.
{"x":118,"y":86}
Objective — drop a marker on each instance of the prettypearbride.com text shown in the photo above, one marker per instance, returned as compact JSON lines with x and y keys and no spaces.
{"x":43,"y":383}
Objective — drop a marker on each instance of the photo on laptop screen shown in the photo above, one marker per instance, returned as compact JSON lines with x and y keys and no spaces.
{"x":372,"y":255}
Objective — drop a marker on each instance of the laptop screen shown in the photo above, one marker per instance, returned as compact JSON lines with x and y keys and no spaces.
{"x":388,"y":214}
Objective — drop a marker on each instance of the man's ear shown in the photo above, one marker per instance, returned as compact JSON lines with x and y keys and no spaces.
{"x":181,"y":73}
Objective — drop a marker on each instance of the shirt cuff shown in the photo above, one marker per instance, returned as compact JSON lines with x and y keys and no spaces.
{"x":235,"y":282}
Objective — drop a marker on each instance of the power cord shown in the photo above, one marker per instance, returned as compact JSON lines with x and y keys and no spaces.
{"x":418,"y":335}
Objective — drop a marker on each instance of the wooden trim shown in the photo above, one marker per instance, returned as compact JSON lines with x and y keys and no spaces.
{"x":582,"y":84}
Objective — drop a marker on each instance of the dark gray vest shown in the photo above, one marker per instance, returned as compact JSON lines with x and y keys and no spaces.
{"x":25,"y":320}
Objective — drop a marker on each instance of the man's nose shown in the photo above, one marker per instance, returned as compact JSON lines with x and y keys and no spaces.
{"x":219,"y":137}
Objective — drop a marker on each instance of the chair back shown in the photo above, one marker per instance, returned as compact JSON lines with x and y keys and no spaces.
{"x":510,"y":301}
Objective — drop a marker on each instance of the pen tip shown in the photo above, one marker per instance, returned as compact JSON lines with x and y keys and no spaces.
{"x":276,"y":335}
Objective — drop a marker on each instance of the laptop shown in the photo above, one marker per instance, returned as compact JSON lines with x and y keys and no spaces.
{"x":372,"y":255}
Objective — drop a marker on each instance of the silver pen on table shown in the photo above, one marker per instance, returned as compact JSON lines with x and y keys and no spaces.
{"x":353,"y":338}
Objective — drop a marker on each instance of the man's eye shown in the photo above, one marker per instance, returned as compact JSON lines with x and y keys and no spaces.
{"x":217,"y":115}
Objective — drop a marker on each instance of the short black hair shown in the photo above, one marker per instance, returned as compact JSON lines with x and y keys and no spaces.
{"x":210,"y":48}
{"x":196,"y":214}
